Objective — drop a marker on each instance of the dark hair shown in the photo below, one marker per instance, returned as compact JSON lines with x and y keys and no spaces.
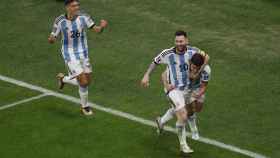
{"x":197,"y":59}
{"x":181,"y":33}
{"x":66,"y":2}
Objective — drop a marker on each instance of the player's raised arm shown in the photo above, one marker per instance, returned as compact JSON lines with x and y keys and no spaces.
{"x":90,"y":23}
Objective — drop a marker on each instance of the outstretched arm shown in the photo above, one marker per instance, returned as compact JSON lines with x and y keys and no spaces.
{"x":146,"y":79}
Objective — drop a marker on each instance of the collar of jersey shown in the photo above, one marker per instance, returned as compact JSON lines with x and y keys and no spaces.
{"x":66,"y":17}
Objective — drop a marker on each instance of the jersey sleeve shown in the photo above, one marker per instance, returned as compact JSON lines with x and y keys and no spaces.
{"x":161,"y":58}
{"x":56,"y":29}
{"x":195,"y":50}
{"x":206,"y":74}
{"x":201,"y":52}
{"x":89,"y":21}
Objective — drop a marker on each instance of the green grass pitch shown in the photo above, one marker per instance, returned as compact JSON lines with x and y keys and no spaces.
{"x":242,"y":107}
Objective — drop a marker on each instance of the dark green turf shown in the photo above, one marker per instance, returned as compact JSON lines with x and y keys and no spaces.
{"x":241,"y":37}
{"x":12,"y":93}
{"x":52,"y":127}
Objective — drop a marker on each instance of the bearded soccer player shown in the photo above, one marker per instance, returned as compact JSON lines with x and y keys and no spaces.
{"x":177,"y":60}
{"x":72,"y":27}
{"x":197,"y":88}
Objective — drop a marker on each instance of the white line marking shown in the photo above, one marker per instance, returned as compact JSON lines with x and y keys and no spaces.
{"x":22,"y":101}
{"x":129,"y":116}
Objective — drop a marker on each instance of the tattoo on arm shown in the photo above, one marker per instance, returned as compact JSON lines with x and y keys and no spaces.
{"x":151,"y":69}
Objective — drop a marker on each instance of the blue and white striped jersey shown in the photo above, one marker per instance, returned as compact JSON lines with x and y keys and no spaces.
{"x":74,"y":38}
{"x":203,"y":77}
{"x":178,"y":65}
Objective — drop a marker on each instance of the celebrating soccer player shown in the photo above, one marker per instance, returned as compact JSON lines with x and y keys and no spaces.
{"x":72,"y":26}
{"x":177,"y":60}
{"x":195,"y":99}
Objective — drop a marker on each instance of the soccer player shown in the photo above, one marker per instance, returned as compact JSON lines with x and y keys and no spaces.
{"x":195,"y":99}
{"x":72,"y":26}
{"x":177,"y":60}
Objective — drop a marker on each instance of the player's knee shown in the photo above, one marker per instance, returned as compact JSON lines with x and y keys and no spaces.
{"x":84,"y":83}
{"x":182,"y":115}
{"x":83,"y":80}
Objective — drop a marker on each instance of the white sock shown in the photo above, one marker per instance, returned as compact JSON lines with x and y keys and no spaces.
{"x":83,"y":91}
{"x":192,"y":123}
{"x":70,"y":80}
{"x":167,"y":116}
{"x":181,"y":132}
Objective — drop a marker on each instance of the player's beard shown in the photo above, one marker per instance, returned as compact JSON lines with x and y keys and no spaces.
{"x":181,"y":48}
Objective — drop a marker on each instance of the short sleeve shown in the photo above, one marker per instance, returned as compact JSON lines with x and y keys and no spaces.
{"x":89,"y":21}
{"x":192,"y":51}
{"x":55,"y":30}
{"x":161,"y":58}
{"x":206,"y":74}
{"x":201,"y":52}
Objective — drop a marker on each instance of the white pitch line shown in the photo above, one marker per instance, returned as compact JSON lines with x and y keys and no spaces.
{"x":22,"y":101}
{"x":129,"y":116}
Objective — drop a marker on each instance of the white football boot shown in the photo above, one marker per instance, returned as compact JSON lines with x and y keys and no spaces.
{"x":185,"y":149}
{"x":159,"y":125}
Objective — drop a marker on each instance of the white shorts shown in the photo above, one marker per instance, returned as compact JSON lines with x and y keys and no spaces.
{"x":178,"y":98}
{"x":190,"y":98}
{"x":76,"y":67}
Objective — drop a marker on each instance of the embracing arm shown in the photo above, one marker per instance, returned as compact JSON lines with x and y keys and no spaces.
{"x":206,"y":60}
{"x":202,"y":89}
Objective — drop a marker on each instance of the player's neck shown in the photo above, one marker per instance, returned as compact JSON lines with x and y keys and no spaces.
{"x":70,"y":16}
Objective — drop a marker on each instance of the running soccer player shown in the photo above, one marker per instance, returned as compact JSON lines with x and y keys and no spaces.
{"x":177,"y":60}
{"x":195,"y":99}
{"x":72,"y":26}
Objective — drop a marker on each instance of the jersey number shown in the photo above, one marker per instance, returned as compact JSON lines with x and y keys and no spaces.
{"x":183,"y":67}
{"x":75,"y":34}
